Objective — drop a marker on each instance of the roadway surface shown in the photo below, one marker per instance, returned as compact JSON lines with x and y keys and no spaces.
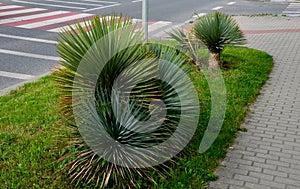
{"x":28,"y":28}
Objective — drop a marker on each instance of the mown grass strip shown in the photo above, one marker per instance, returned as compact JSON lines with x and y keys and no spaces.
{"x":32,"y":129}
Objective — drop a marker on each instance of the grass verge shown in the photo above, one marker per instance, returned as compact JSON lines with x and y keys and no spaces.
{"x":31,"y":127}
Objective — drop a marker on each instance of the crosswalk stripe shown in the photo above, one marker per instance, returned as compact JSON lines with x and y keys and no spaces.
{"x":61,"y":29}
{"x":65,"y":24}
{"x":75,"y":3}
{"x":231,"y":3}
{"x":53,"y":21}
{"x":28,"y":39}
{"x":15,"y":75}
{"x":295,"y":4}
{"x":217,"y":8}
{"x":50,"y":5}
{"x":293,"y":9}
{"x":23,"y":14}
{"x":42,"y":19}
{"x":3,"y":7}
{"x":21,"y":18}
{"x":31,"y":55}
{"x":12,"y":9}
{"x":20,"y":11}
{"x":67,"y":27}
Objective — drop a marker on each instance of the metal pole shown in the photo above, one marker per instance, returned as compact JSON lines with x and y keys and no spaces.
{"x":145,"y":19}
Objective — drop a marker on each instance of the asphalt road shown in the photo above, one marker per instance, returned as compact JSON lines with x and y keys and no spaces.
{"x":28,"y":28}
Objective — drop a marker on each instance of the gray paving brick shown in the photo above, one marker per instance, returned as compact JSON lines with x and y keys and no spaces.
{"x":274,"y":133}
{"x":293,"y":129}
{"x":271,"y":141}
{"x":250,"y":146}
{"x":265,"y":165}
{"x":282,"y":147}
{"x":268,"y":156}
{"x":294,"y":176}
{"x":275,"y":173}
{"x":276,"y":155}
{"x":284,"y":138}
{"x":234,"y":182}
{"x":261,"y":175}
{"x":295,"y":157}
{"x":287,"y":181}
{"x":280,"y":130}
{"x":215,"y":185}
{"x":278,"y":163}
{"x":290,"y":160}
{"x":241,"y":161}
{"x":257,"y":150}
{"x":237,"y":187}
{"x":243,"y":152}
{"x":292,"y":152}
{"x":271,"y":184}
{"x":250,"y":168}
{"x":256,"y":186}
{"x":254,"y":158}
{"x":292,"y":144}
{"x":227,"y":163}
{"x":246,"y":178}
{"x":269,"y":148}
{"x":292,"y":187}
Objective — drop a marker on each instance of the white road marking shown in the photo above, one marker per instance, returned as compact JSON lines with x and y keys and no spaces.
{"x":15,"y":75}
{"x":216,"y":8}
{"x":53,"y":21}
{"x":231,"y":3}
{"x":9,"y":7}
{"x":61,"y":29}
{"x":107,"y":2}
{"x":20,"y":11}
{"x":294,"y":4}
{"x":135,"y":20}
{"x":28,"y":39}
{"x":136,"y":1}
{"x":87,"y":10}
{"x":21,"y":18}
{"x":76,"y":3}
{"x":49,"y":5}
{"x":199,"y":15}
{"x":17,"y":53}
{"x":157,"y":25}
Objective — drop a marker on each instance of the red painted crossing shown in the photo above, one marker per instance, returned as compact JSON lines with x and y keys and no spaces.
{"x":30,"y":21}
{"x":50,"y":20}
{"x":22,"y":14}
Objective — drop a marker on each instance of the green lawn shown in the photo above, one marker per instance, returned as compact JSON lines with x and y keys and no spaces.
{"x":33,"y":132}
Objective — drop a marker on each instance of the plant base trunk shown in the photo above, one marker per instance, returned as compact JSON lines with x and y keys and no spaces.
{"x":213,"y":61}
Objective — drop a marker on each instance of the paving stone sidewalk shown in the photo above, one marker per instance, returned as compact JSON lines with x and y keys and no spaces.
{"x":268,"y":155}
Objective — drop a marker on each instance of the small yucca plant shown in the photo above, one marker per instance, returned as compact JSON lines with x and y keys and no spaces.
{"x":189,"y":44}
{"x":113,"y":46}
{"x":216,"y":30}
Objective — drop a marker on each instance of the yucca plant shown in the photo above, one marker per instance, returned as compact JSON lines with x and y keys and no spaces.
{"x":189,"y":44}
{"x":110,"y":82}
{"x":216,"y":30}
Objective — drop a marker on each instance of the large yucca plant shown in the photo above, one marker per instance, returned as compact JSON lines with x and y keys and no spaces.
{"x":216,"y":30}
{"x":109,"y":80}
